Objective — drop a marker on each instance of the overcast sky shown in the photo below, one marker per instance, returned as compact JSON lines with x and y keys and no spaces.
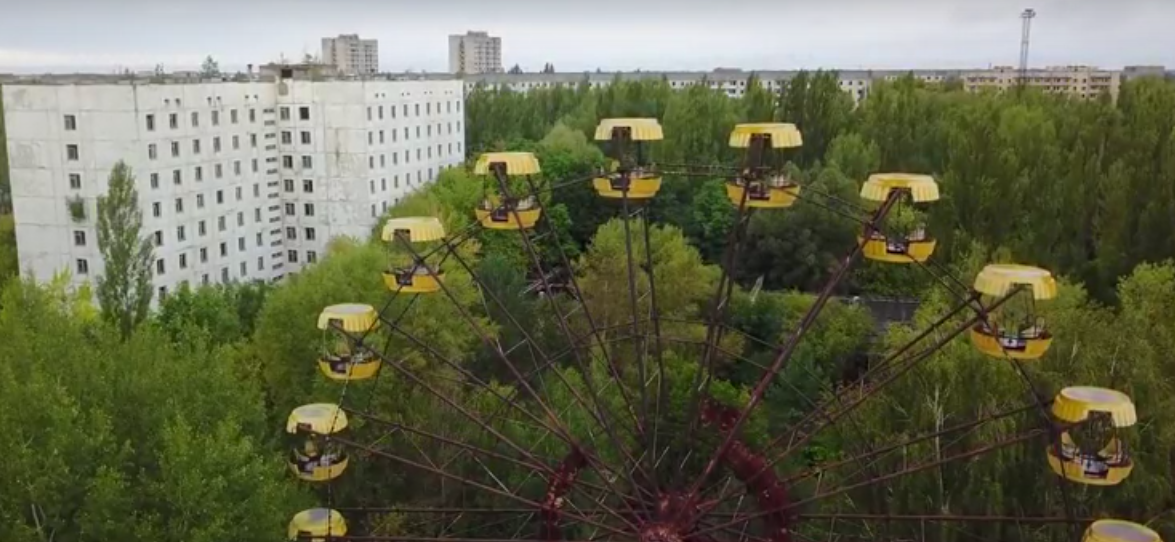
{"x":101,"y":35}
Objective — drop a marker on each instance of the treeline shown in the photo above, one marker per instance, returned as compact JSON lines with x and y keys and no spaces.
{"x":1082,"y":187}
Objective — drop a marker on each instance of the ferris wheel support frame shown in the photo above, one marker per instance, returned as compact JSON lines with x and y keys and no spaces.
{"x":785,"y":352}
{"x":684,"y":523}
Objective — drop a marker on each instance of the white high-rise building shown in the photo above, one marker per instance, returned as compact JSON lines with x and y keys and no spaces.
{"x":236,"y":180}
{"x":475,"y":52}
{"x":351,"y":55}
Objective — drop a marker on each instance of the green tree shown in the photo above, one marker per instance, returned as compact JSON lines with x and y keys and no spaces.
{"x":133,"y":438}
{"x":9,"y":264}
{"x":210,"y":68}
{"x":124,"y":289}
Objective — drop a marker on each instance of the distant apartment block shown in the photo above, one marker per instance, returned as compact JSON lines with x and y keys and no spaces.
{"x":237,"y":180}
{"x":1081,"y":82}
{"x":475,"y":52}
{"x":1077,"y":81}
{"x":351,"y":55}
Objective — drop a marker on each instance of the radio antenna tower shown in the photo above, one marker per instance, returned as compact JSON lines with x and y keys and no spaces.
{"x":1026,"y":29}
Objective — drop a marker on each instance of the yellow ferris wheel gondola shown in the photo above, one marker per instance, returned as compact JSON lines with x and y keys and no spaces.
{"x":340,"y":359}
{"x":1023,"y":336}
{"x":763,"y":188}
{"x":1106,"y":461}
{"x":910,"y":246}
{"x":314,"y":457}
{"x":415,"y":278}
{"x":1116,"y":530}
{"x":316,"y":525}
{"x":513,"y":212}
{"x":629,"y":175}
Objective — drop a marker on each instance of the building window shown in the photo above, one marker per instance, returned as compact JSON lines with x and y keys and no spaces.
{"x":216,"y":144}
{"x":407,"y":136}
{"x":158,"y":236}
{"x":173,"y":120}
{"x":428,"y":130}
{"x":261,"y":263}
{"x":179,"y":205}
{"x":405,"y":110}
{"x":287,"y":138}
{"x":309,"y":208}
{"x":150,"y":123}
{"x":288,"y":185}
{"x":181,"y":234}
{"x":232,"y":116}
{"x":291,"y":233}
{"x":195,"y":119}
{"x":288,"y":162}
{"x":237,"y":168}
{"x":224,"y":275}
{"x":241,"y":244}
{"x":369,"y":112}
{"x":220,"y":223}
{"x":183,"y":261}
{"x":152,"y":152}
{"x":383,"y":161}
{"x":154,"y":180}
{"x":195,"y":146}
{"x":71,"y":123}
{"x":82,"y":266}
{"x":310,"y":234}
{"x":396,"y":181}
{"x":199,"y":173}
{"x":292,"y":256}
{"x":199,"y":201}
{"x":371,"y":184}
{"x":236,"y":143}
{"x":253,"y":140}
{"x":177,"y":177}
{"x":428,"y":108}
{"x":256,"y":165}
{"x":307,"y":186}
{"x":417,"y":132}
{"x":75,"y":180}
{"x":159,"y":267}
{"x":305,"y":138}
{"x":216,"y":118}
{"x":284,"y":113}
{"x":304,"y":113}
{"x":218,"y":169}
{"x":240,"y":218}
{"x":311,"y":256}
{"x":381,"y":137}
{"x":257,"y":215}
{"x":202,"y":228}
{"x":289,"y":209}
{"x":252,"y":115}
{"x":156,"y":209}
{"x":307,"y":163}
{"x":417,"y":110}
{"x":79,"y":238}
{"x":204,"y":259}
{"x":370,"y":162}
{"x":223,"y":249}
{"x":244,"y":269}
{"x":383,"y":184}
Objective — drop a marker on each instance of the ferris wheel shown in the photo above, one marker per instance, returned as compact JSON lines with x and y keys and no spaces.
{"x":622,"y":430}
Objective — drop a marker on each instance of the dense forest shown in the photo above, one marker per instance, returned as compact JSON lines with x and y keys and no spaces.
{"x":175,"y":431}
